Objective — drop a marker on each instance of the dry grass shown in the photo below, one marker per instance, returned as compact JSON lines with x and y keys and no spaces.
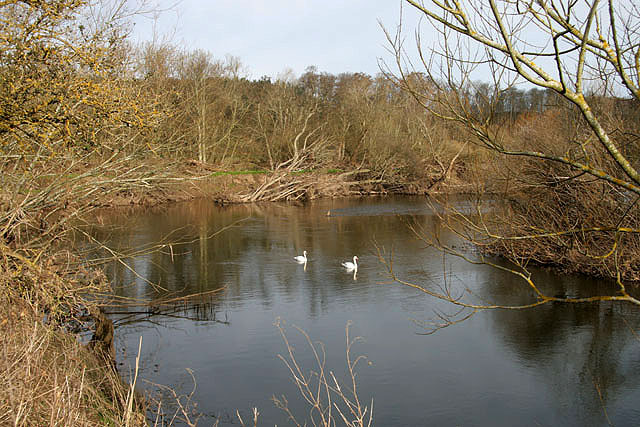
{"x":48,"y":378}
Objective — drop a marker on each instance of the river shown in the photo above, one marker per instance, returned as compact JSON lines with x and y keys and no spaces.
{"x":559,"y":364}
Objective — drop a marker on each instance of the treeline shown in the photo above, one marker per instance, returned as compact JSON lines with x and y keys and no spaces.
{"x":96,"y":94}
{"x":216,"y":115}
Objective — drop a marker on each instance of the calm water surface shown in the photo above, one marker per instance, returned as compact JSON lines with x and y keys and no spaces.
{"x":569,"y":365}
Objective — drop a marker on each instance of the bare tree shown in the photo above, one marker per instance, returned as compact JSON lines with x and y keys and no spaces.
{"x":572,"y":182}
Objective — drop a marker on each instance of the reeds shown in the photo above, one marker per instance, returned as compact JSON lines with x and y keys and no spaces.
{"x":329,"y":401}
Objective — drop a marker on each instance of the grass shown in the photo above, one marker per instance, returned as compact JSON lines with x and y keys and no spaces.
{"x":49,"y":378}
{"x":240,"y":172}
{"x":257,"y":172}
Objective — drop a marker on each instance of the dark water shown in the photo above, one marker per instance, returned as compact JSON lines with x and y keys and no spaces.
{"x":569,"y":365}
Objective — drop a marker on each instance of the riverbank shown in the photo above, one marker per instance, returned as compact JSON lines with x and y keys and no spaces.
{"x":246,"y":186}
{"x":47,"y":375}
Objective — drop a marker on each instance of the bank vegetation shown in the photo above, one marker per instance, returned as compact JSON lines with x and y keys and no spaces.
{"x":567,"y":188}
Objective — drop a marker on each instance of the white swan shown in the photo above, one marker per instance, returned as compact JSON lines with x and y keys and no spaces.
{"x":351,"y":265}
{"x":301,"y":258}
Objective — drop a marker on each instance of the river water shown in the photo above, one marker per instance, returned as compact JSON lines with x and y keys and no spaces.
{"x":560,"y":364}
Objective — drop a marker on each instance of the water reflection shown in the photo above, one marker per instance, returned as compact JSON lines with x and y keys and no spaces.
{"x":556,"y":364}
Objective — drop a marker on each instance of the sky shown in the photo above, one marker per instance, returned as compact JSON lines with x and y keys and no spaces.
{"x":271,"y":36}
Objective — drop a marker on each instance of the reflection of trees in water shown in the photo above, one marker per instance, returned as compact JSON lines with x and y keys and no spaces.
{"x":196,"y":309}
{"x":239,"y":258}
{"x":583,"y":351}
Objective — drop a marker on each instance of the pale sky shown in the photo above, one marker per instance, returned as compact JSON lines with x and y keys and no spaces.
{"x":270,"y":36}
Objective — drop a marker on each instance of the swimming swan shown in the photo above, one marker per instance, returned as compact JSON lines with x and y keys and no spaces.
{"x":351,"y":265}
{"x":301,"y":258}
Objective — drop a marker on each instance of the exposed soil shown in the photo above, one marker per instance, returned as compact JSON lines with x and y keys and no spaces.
{"x":226,"y":188}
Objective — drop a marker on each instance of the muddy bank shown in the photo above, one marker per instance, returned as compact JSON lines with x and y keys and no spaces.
{"x":252,"y":186}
